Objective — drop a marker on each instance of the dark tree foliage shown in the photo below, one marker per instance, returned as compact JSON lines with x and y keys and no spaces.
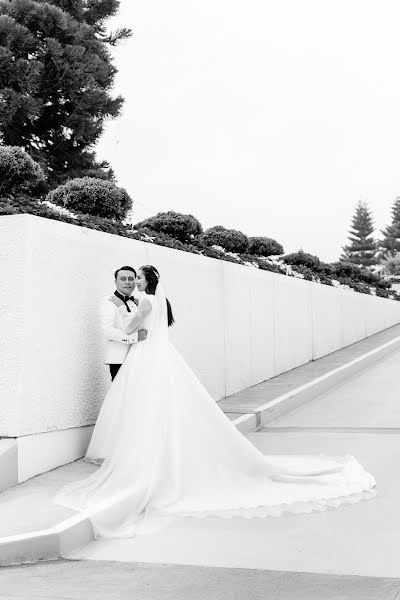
{"x":263,"y":246}
{"x":56,"y":75}
{"x":391,"y":240}
{"x":92,"y":196}
{"x":362,"y":249}
{"x":179,"y":226}
{"x":18,"y":171}
{"x":229,"y":239}
{"x":94,"y":13}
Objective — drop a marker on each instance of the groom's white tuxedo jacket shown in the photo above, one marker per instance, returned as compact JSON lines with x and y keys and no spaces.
{"x":118,"y":342}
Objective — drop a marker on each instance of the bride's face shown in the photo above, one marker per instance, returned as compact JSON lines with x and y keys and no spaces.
{"x":141,"y":282}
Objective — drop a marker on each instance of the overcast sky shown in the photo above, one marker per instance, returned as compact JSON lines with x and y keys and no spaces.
{"x":269,"y":116}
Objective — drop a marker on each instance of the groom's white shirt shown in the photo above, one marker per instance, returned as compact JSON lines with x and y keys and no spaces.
{"x":118,"y":342}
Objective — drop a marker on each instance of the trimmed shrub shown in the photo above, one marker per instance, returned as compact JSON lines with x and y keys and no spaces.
{"x":343,"y":269}
{"x":269,"y":266}
{"x":92,"y":196}
{"x":263,"y":263}
{"x":263,"y":246}
{"x":325,"y":280}
{"x":346,"y":281}
{"x":18,"y":171}
{"x":325,"y":270}
{"x":363,"y":288}
{"x":357,"y":273}
{"x":215,"y":253}
{"x":230,"y":240}
{"x":26,"y":204}
{"x":179,"y":226}
{"x":162,"y":239}
{"x":305,"y":271}
{"x":352,"y":271}
{"x":302,"y":258}
{"x":382,"y":293}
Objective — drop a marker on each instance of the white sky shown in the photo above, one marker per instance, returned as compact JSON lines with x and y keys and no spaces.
{"x":269,"y":116}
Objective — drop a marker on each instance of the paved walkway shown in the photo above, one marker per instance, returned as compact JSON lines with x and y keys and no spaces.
{"x":30,"y":506}
{"x":369,"y":400}
{"x":362,"y":539}
{"x":91,"y":580}
{"x":250,"y":399}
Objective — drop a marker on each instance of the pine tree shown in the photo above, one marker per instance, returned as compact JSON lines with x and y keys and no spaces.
{"x":363,"y":248}
{"x":391,"y":240}
{"x":56,"y":75}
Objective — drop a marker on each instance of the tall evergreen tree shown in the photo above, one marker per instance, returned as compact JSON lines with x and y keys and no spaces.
{"x":362,"y":249}
{"x":56,"y":74}
{"x":391,"y":235}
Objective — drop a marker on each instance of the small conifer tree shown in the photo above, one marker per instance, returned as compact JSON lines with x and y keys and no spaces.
{"x":362,"y":249}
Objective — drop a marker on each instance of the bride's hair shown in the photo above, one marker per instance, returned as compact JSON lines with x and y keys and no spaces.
{"x":152,"y":277}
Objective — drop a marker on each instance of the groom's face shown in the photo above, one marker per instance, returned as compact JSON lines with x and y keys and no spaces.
{"x":125,"y":282}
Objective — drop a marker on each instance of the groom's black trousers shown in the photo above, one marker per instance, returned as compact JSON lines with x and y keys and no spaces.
{"x":114,"y":370}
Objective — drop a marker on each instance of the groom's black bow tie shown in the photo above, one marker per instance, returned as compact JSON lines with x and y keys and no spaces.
{"x":125,"y":299}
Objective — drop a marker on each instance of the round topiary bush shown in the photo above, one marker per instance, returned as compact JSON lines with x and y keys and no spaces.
{"x":179,"y":226}
{"x":229,"y":239}
{"x":357,"y":273}
{"x":263,"y":246}
{"x":18,"y":171}
{"x":325,"y":269}
{"x":304,"y":259}
{"x":92,"y":196}
{"x":344,"y":269}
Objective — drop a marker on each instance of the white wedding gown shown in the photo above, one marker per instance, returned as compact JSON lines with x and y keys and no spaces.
{"x":167,"y":450}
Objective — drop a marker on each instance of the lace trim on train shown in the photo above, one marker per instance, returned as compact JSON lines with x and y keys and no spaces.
{"x":357,"y":492}
{"x":296,"y":508}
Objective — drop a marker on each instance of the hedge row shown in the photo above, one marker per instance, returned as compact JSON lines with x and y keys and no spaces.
{"x":299,"y":264}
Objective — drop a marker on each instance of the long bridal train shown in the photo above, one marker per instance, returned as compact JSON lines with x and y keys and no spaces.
{"x":167,"y":450}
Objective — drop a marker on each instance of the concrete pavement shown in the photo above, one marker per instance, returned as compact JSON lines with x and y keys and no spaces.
{"x":93,"y":580}
{"x":371,"y":399}
{"x":30,"y":506}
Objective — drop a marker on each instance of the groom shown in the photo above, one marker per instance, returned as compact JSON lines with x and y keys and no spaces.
{"x":118,"y":342}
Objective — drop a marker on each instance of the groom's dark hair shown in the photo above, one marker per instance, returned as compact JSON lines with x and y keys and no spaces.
{"x":126,"y":268}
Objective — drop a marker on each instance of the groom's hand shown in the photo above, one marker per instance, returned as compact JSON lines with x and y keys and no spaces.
{"x":142,"y":335}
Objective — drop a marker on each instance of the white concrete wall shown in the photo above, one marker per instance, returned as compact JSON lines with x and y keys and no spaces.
{"x":236,"y":326}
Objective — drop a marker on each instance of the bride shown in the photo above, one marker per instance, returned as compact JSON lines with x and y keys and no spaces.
{"x":166,"y":449}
